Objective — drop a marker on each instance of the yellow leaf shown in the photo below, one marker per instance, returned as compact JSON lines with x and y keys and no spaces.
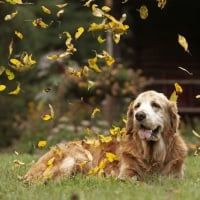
{"x":53,"y":57}
{"x":18,"y":162}
{"x":93,"y":64}
{"x":10,"y":74}
{"x":195,"y":133}
{"x":109,"y":59}
{"x":2,"y":69}
{"x":174,"y":96}
{"x":100,"y":39}
{"x":105,"y":139}
{"x":183,"y":42}
{"x":58,"y":151}
{"x":14,"y":1}
{"x":111,"y":157}
{"x":143,"y":12}
{"x":185,"y":70}
{"x":17,"y":90}
{"x":198,"y":96}
{"x":19,"y":35}
{"x":2,"y":87}
{"x":51,"y":161}
{"x":10,"y":16}
{"x":42,"y":143}
{"x":115,"y":130}
{"x":90,"y":84}
{"x":87,"y":4}
{"x":178,"y":88}
{"x":62,"y":5}
{"x":83,"y":164}
{"x":46,"y":10}
{"x":79,"y":32}
{"x":11,"y":47}
{"x":94,"y":171}
{"x":40,"y":23}
{"x":94,"y":112}
{"x":60,"y":12}
{"x":51,"y":111}
{"x":46,"y":117}
{"x":161,"y":3}
{"x":96,"y":11}
{"x":88,"y":131}
{"x":106,"y":8}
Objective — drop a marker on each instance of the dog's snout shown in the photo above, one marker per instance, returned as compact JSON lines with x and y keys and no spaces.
{"x":140,"y":116}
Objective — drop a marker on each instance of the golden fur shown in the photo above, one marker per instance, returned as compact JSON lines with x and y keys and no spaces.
{"x":152,"y":145}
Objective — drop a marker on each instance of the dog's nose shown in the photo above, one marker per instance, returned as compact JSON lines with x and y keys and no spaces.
{"x":140,"y":116}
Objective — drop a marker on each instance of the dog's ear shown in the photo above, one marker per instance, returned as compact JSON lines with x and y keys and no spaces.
{"x":129,"y":123}
{"x":174,"y":117}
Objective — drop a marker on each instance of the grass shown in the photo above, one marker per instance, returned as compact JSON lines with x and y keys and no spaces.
{"x":86,"y":188}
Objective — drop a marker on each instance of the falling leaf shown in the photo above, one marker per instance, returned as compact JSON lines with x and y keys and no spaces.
{"x":40,"y":23}
{"x":111,"y":157}
{"x":46,"y":10}
{"x":17,"y":90}
{"x":178,"y":88}
{"x":24,"y":63}
{"x":100,"y":39}
{"x":105,"y":139}
{"x":143,"y":12}
{"x":96,"y":11}
{"x":90,"y":84}
{"x":51,"y":111}
{"x":2,"y":69}
{"x":106,"y":8}
{"x":42,"y":143}
{"x":2,"y":87}
{"x":79,"y":32}
{"x":10,"y":16}
{"x":87,"y":4}
{"x":88,"y":131}
{"x":46,"y":117}
{"x":10,"y":74}
{"x":195,"y":133}
{"x":62,"y":5}
{"x":16,"y":153}
{"x":124,"y":1}
{"x":115,"y":130}
{"x":59,"y":13}
{"x":14,"y":1}
{"x":183,"y":42}
{"x":93,"y":64}
{"x":173,"y":97}
{"x":10,"y":47}
{"x":108,"y":58}
{"x":185,"y":70}
{"x":198,"y":96}
{"x":94,"y":112}
{"x":19,"y":35}
{"x":161,"y":3}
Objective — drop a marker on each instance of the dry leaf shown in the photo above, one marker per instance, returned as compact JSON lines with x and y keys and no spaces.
{"x":143,"y":12}
{"x":183,"y":42}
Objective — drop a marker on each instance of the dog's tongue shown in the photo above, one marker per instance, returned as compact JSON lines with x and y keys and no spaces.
{"x":144,"y":133}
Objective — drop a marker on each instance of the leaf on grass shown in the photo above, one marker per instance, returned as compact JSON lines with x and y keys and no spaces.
{"x":18,"y":162}
{"x":10,"y":16}
{"x":2,"y":87}
{"x":50,"y":116}
{"x":185,"y":70}
{"x":183,"y":42}
{"x":17,"y":90}
{"x":19,"y":34}
{"x":42,"y":143}
{"x":46,"y":10}
{"x":143,"y":12}
{"x":196,"y":134}
{"x":10,"y":74}
{"x":79,"y":32}
{"x":94,"y":112}
{"x":51,"y":111}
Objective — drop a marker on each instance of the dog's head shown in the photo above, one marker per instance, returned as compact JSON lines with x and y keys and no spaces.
{"x":152,"y":116}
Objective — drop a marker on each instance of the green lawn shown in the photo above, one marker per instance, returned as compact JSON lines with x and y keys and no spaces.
{"x":92,"y":188}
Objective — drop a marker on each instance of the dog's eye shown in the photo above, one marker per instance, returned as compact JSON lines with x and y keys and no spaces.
{"x":137,"y":105}
{"x":155,"y":105}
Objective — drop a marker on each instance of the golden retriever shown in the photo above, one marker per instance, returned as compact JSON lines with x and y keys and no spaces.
{"x":151,"y":144}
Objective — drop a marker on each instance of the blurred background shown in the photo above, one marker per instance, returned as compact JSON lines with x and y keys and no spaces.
{"x":147,"y":57}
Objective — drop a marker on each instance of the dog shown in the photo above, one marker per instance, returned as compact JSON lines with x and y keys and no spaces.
{"x":151,"y":144}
